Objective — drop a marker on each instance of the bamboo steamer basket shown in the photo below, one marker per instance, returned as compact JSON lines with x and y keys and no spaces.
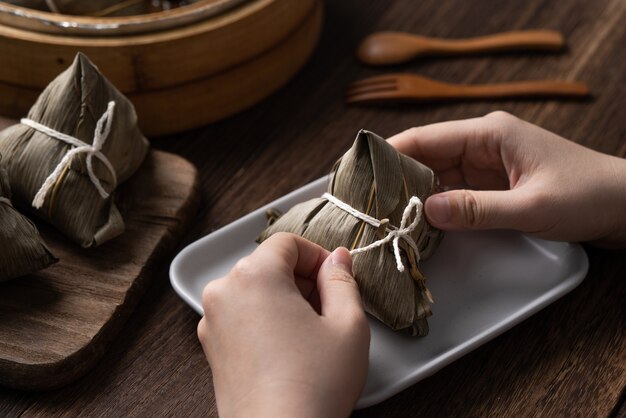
{"x":157,"y":60}
{"x":208,"y":99}
{"x":75,"y":25}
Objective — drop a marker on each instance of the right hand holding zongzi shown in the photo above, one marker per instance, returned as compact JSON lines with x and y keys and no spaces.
{"x":515,"y":175}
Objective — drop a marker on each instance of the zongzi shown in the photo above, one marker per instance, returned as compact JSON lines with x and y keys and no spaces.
{"x":79,"y":141}
{"x":374,"y":208}
{"x":22,"y":250}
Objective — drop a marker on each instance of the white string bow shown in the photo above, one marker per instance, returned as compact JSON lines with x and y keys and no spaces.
{"x":101,"y":133}
{"x":394,"y":234}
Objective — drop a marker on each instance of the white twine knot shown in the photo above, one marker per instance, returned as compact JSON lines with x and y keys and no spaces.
{"x":394,"y":234}
{"x":101,"y":133}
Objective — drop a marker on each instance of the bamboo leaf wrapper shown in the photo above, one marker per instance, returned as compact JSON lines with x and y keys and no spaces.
{"x":373,"y":178}
{"x":72,"y":104}
{"x":22,"y":250}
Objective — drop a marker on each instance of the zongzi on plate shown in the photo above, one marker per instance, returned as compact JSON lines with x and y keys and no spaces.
{"x":374,"y":208}
{"x":22,"y":250}
{"x":79,"y":141}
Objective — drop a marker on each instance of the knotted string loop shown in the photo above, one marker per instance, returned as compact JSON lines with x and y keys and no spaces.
{"x":101,"y":133}
{"x":394,"y":234}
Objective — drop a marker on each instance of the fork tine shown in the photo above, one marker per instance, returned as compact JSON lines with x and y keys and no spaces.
{"x":373,"y":84}
{"x":375,"y":80}
{"x":373,"y":97}
{"x":365,"y":88}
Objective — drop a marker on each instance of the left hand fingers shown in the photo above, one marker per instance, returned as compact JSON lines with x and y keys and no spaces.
{"x":291,"y":255}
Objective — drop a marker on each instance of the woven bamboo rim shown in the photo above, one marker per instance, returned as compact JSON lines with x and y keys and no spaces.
{"x":195,"y":104}
{"x":58,"y":24}
{"x":157,"y":60}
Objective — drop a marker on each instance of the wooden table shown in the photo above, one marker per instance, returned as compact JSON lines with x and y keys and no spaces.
{"x":568,"y":360}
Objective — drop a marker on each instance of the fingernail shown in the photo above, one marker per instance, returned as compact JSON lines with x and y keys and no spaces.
{"x":438,"y":209}
{"x":342,"y":259}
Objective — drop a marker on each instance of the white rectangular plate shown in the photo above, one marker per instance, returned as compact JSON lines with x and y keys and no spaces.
{"x":483,"y":283}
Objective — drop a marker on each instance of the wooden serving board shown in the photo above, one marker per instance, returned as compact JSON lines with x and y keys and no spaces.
{"x":56,"y":324}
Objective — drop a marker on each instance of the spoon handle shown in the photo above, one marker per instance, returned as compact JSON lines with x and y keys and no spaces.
{"x":524,"y":89}
{"x":542,"y":40}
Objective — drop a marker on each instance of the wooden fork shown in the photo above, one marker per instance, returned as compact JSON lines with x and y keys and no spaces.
{"x":410,"y":87}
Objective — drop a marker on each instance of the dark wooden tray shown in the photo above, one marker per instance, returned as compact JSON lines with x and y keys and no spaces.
{"x":55,"y":325}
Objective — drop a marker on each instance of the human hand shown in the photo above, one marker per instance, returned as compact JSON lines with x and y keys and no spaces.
{"x":529,"y":179}
{"x":285,"y":332}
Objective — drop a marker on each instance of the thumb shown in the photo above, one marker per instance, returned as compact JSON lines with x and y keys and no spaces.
{"x":471,"y":209}
{"x":339,"y":293}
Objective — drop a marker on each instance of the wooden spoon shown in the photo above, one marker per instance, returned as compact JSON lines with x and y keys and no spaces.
{"x":386,"y":48}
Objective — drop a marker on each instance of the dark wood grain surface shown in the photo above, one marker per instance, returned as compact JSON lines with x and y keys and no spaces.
{"x":568,"y":360}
